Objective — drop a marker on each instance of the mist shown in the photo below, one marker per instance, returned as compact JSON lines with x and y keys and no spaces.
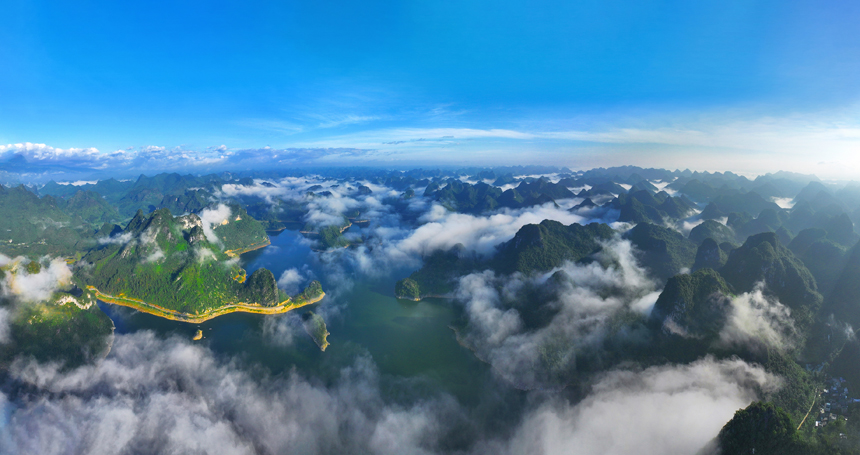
{"x":168,"y":396}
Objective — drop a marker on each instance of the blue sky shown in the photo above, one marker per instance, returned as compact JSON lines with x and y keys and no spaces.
{"x":709,"y":85}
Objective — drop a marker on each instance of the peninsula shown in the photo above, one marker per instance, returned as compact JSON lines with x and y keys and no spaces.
{"x":179,"y":268}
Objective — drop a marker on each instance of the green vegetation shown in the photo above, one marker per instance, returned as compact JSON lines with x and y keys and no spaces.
{"x":542,"y":247}
{"x":438,"y":275}
{"x":169,"y":263}
{"x":332,"y":237}
{"x":407,"y":289}
{"x":763,"y":258}
{"x":769,"y":429}
{"x":641,"y":205}
{"x":712,"y":256}
{"x":713,"y":230}
{"x":92,"y":207}
{"x":481,"y":197}
{"x":696,"y":303}
{"x":240,"y":232}
{"x":33,"y":267}
{"x":311,"y":293}
{"x":664,"y":252}
{"x":761,"y":428}
{"x":535,"y":248}
{"x":67,"y":327}
{"x":315,"y":326}
{"x":34,"y":227}
{"x":61,"y":333}
{"x":844,"y":301}
{"x":191,"y":201}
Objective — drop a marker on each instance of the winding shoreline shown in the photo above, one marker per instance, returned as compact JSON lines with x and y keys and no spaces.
{"x":240,"y":251}
{"x":173,"y":315}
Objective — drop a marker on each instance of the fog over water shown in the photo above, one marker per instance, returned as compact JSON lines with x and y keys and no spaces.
{"x":396,"y":377}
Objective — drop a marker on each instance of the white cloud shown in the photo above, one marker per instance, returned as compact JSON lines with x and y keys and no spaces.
{"x":119,"y":239}
{"x":659,"y":411}
{"x":36,"y":287}
{"x":43,"y":152}
{"x":444,"y":229}
{"x":757,"y":319}
{"x":290,"y":280}
{"x":281,"y":330}
{"x":212,"y":217}
{"x":578,"y":318}
{"x":170,"y":396}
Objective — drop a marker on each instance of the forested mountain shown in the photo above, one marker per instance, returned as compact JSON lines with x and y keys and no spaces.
{"x":535,"y":248}
{"x":169,"y":262}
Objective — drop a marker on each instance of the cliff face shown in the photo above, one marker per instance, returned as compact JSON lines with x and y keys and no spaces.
{"x":763,"y":258}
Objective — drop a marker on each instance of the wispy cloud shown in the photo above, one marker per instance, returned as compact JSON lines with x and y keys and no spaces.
{"x":701,"y":142}
{"x":334,"y":121}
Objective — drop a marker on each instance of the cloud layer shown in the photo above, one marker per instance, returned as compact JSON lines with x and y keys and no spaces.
{"x":577,"y":318}
{"x":168,"y":396}
{"x":54,"y":274}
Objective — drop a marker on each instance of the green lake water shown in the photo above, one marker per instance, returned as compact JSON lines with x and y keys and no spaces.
{"x":408,"y":341}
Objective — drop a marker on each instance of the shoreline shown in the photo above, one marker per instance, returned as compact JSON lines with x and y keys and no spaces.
{"x":173,"y":315}
{"x":427,"y":296}
{"x":240,"y":251}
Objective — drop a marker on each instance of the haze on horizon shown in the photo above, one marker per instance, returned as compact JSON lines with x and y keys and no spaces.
{"x":751,"y":87}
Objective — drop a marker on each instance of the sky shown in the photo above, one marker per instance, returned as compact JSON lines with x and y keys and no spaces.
{"x":746,"y":86}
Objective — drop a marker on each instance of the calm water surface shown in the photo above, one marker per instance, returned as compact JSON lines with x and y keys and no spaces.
{"x":406,"y":340}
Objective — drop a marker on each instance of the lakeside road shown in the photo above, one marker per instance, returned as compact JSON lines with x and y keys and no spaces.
{"x":155,"y":310}
{"x":240,"y":251}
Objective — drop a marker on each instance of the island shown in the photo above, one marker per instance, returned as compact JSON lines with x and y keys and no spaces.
{"x":315,"y":326}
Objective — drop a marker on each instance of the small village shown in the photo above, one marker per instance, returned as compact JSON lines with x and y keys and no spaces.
{"x":835,"y":399}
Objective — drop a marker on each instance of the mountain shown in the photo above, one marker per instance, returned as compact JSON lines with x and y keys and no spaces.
{"x":238,"y":232}
{"x":844,"y":300}
{"x":535,"y":248}
{"x":92,"y":207}
{"x":763,"y":429}
{"x":713,"y":230}
{"x":811,"y":192}
{"x":34,"y":226}
{"x":463,"y":197}
{"x":712,"y":212}
{"x":544,"y":246}
{"x":170,"y":264}
{"x":545,"y":187}
{"x":695,"y":304}
{"x":663,"y":251}
{"x":768,"y":190}
{"x":642,"y":206}
{"x":481,"y":197}
{"x":188,"y":202}
{"x":763,"y":258}
{"x":437,"y":276}
{"x":712,"y":256}
{"x":750,"y":203}
{"x":826,"y":260}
